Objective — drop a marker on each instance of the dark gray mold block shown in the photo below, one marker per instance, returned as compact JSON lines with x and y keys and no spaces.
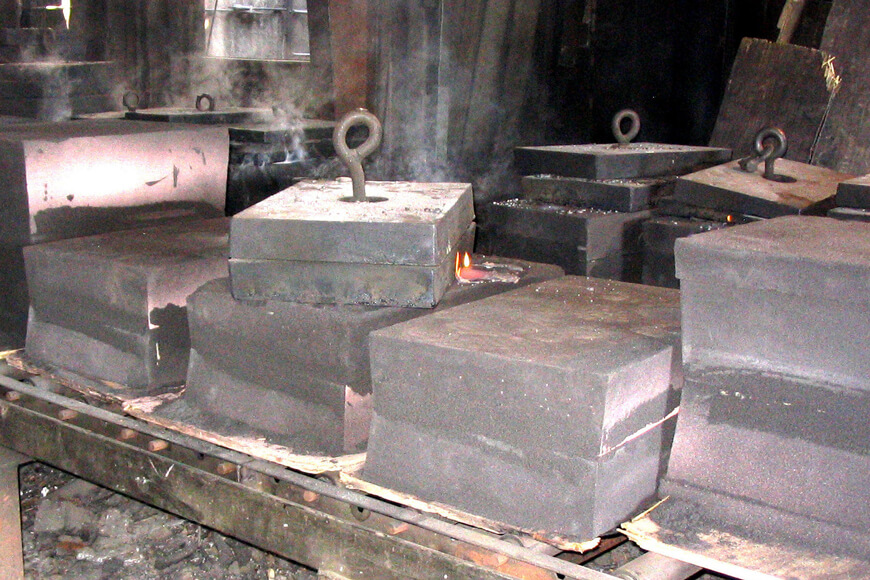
{"x":850,"y":214}
{"x":341,"y":283}
{"x":612,"y":161}
{"x":55,"y":91}
{"x":112,"y":306}
{"x":854,"y":193}
{"x":313,"y":358}
{"x":730,"y":189}
{"x":770,"y":450}
{"x":81,"y":178}
{"x":539,"y":407}
{"x":282,"y":133}
{"x":584,"y":241}
{"x":307,"y":243}
{"x":626,"y":195}
{"x":267,"y":158}
{"x":220,"y":116}
{"x":783,"y":295}
{"x":659,"y":235}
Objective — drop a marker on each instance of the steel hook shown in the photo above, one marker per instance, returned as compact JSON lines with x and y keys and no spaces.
{"x":130,"y":100}
{"x":623,"y":137}
{"x":353,"y":157}
{"x":205,"y":102}
{"x":770,"y":144}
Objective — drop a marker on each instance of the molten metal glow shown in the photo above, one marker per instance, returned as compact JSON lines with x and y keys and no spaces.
{"x":465,"y":262}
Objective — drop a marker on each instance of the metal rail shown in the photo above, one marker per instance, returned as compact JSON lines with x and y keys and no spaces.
{"x":297,"y":516}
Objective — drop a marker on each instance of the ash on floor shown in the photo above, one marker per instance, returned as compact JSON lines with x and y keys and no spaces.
{"x":74,"y":530}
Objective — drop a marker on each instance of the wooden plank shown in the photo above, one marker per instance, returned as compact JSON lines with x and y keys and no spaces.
{"x":154,"y":410}
{"x":789,"y":20}
{"x":488,"y":70}
{"x":349,"y":29}
{"x":681,"y":530}
{"x":408,"y":91}
{"x":778,"y":85}
{"x":463,"y":24}
{"x":844,"y":143}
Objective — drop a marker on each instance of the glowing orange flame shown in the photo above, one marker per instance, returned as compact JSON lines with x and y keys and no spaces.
{"x":465,"y":262}
{"x":729,"y":219}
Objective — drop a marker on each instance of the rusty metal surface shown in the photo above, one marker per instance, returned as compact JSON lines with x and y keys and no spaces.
{"x":728,"y":188}
{"x":302,"y":518}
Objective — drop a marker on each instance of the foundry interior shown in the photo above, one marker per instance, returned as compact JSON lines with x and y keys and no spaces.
{"x":444,"y":289}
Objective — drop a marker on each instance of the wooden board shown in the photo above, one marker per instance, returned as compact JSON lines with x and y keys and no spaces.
{"x":149,"y":409}
{"x":779,"y":85}
{"x":680,"y":530}
{"x":844,"y":143}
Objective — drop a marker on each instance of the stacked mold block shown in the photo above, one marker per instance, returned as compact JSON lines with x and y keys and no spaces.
{"x":853,"y":200}
{"x":70,"y":179}
{"x":583,"y":205}
{"x":112,"y":307}
{"x":55,"y":91}
{"x":282,"y":345}
{"x":773,"y":434}
{"x":269,"y":149}
{"x":542,"y":408}
{"x":728,"y":194}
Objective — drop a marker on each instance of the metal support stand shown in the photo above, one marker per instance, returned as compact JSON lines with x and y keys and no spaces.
{"x":11,"y":553}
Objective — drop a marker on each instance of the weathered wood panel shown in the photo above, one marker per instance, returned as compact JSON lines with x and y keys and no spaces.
{"x":775,"y":85}
{"x":844,"y":143}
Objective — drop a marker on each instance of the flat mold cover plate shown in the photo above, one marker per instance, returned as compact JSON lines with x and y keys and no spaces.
{"x":728,"y":188}
{"x":417,"y":224}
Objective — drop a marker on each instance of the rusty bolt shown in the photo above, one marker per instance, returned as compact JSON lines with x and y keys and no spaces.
{"x":226,"y":468}
{"x":398,"y":528}
{"x":157,"y":445}
{"x":67,"y":414}
{"x":13,"y":395}
{"x":126,"y":434}
{"x":310,"y":496}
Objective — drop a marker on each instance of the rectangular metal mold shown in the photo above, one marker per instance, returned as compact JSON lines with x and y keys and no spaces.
{"x":113,"y":306}
{"x":301,"y":360}
{"x":785,"y":437}
{"x":730,"y":189}
{"x":854,"y":193}
{"x":627,"y":195}
{"x":612,"y":161}
{"x":86,"y":177}
{"x":555,"y":386}
{"x":783,"y":295}
{"x":308,"y":243}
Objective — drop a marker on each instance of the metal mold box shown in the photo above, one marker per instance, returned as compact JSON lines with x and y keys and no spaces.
{"x":730,"y":189}
{"x":854,"y":193}
{"x":306,"y":244}
{"x":614,"y":161}
{"x":541,"y":407}
{"x":113,"y":306}
{"x":626,"y":195}
{"x":300,"y":372}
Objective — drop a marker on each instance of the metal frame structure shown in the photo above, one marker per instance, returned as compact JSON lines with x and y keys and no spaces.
{"x":307,"y":519}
